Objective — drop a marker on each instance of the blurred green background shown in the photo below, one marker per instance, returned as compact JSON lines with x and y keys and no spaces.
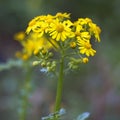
{"x":94,"y":88}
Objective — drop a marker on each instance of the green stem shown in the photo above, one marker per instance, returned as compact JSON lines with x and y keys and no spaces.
{"x":53,"y":44}
{"x":25,"y":95}
{"x":59,"y":86}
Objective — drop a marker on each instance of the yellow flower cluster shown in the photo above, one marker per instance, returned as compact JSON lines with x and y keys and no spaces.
{"x":49,"y":31}
{"x":31,"y":44}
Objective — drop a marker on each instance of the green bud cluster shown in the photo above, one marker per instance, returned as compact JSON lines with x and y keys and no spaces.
{"x":74,"y":63}
{"x":45,"y":60}
{"x":51,"y":66}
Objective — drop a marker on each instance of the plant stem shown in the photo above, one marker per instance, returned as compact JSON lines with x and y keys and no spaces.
{"x":59,"y":85}
{"x":25,"y":95}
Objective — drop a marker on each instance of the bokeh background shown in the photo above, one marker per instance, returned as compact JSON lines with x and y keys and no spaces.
{"x":94,"y":88}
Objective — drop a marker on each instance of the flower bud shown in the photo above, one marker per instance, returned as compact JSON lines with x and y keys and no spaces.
{"x":85,"y":60}
{"x":49,"y":69}
{"x":50,"y":54}
{"x":36,"y":52}
{"x":36,"y":63}
{"x":48,"y":63}
{"x":44,"y":51}
{"x":73,"y":45}
{"x":43,"y":64}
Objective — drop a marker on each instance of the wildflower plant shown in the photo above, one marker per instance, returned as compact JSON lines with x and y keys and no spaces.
{"x":72,"y":41}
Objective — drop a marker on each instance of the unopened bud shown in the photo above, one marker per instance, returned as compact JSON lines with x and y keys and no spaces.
{"x":36,"y":52}
{"x":73,"y":45}
{"x":50,"y":54}
{"x":36,"y":63}
{"x":43,"y":64}
{"x":44,"y":51}
{"x":48,"y":63}
{"x":49,"y":69}
{"x":85,"y":60}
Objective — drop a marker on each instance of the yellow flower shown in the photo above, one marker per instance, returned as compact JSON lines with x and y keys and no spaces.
{"x":85,"y":60}
{"x":60,"y":30}
{"x":95,"y":30}
{"x":33,"y":44}
{"x":19,"y":36}
{"x":88,"y":20}
{"x":43,"y":43}
{"x":33,"y":24}
{"x":39,"y":24}
{"x":86,"y":25}
{"x":46,"y":32}
{"x":86,"y":48}
{"x":25,"y":56}
{"x":28,"y":47}
{"x":21,"y":55}
{"x":84,"y":21}
{"x":84,"y":36}
{"x":46,"y":18}
{"x":80,"y":31}
{"x":62,"y":15}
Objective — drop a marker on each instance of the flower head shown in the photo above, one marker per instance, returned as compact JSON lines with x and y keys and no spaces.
{"x":33,"y":43}
{"x":33,"y":24}
{"x":95,"y":30}
{"x":60,"y":30}
{"x":86,"y":48}
{"x":46,"y":32}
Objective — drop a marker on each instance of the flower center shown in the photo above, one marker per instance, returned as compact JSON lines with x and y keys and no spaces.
{"x":77,"y":33}
{"x":87,"y":45}
{"x":59,"y":28}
